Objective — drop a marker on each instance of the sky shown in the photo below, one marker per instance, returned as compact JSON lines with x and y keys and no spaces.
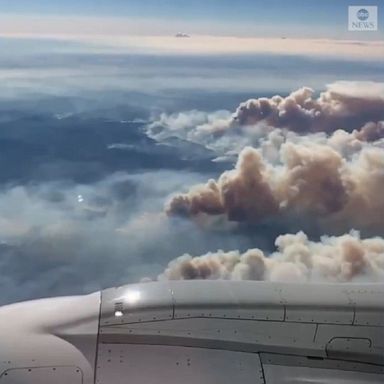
{"x":256,"y":11}
{"x":307,"y":18}
{"x":252,"y":149}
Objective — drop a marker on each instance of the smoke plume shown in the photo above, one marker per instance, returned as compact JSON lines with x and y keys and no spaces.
{"x":334,"y":259}
{"x":355,"y":108}
{"x":312,"y":181}
{"x":344,"y":105}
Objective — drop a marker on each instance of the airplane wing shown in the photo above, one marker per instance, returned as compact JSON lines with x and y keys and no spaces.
{"x":198,"y":332}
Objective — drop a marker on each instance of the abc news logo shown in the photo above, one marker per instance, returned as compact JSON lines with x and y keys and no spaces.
{"x":362,"y":18}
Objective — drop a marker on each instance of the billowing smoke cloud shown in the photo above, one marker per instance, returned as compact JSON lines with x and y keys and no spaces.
{"x":344,"y":105}
{"x":313,"y":182}
{"x":370,"y":132}
{"x":353,"y":107}
{"x":334,"y":259}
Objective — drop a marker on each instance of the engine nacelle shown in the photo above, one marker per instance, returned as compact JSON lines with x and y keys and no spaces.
{"x":198,"y":332}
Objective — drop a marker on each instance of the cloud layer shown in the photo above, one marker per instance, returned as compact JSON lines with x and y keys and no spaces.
{"x":65,"y":238}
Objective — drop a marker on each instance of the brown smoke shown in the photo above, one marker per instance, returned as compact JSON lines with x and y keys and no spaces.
{"x":242,"y":194}
{"x":333,"y":259}
{"x":343,"y":105}
{"x":355,"y":108}
{"x":313,"y":181}
{"x":370,"y":132}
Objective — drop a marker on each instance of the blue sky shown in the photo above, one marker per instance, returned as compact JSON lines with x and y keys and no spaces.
{"x":310,"y":16}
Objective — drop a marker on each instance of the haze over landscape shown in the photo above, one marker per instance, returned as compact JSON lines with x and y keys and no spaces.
{"x":249,"y":150}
